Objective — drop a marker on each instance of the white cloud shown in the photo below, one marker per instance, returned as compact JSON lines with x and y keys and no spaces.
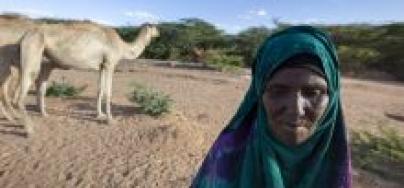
{"x":142,"y":16}
{"x":261,"y":12}
{"x":251,"y":14}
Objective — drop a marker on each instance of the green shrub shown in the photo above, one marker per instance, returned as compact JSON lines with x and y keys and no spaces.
{"x":356,"y":60}
{"x":151,"y":102}
{"x":63,"y":89}
{"x":127,"y":33}
{"x":383,"y":154}
{"x":219,"y":60}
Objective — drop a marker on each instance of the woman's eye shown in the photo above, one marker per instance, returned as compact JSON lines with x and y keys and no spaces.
{"x":312,"y":92}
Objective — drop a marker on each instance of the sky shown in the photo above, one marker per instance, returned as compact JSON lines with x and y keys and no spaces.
{"x":230,"y":15}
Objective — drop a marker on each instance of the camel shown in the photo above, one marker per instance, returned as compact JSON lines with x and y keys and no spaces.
{"x":12,"y":29}
{"x":79,"y":45}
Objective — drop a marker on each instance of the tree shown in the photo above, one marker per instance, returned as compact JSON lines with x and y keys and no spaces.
{"x":248,"y":41}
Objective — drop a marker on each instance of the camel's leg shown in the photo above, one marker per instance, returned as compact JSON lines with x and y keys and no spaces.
{"x":5,"y":113}
{"x":32,"y":47}
{"x":100,"y":95}
{"x":4,"y":77}
{"x":41,"y":86}
{"x":14,"y":83}
{"x":17,"y":86}
{"x":108,"y":91}
{"x":6,"y":95}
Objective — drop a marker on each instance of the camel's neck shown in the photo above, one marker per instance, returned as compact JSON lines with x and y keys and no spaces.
{"x":136,"y":48}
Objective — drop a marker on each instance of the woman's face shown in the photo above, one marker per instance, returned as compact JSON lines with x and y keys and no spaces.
{"x":294,"y":99}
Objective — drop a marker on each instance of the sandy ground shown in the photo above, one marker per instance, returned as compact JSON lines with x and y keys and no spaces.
{"x":73,"y":149}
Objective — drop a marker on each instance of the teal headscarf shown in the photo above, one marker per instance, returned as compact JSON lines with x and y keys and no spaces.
{"x":247,"y":155}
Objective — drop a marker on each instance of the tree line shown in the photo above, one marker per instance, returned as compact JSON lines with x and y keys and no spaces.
{"x":362,"y":48}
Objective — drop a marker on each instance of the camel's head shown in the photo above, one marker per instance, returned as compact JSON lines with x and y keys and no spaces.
{"x":147,"y":32}
{"x":152,"y":30}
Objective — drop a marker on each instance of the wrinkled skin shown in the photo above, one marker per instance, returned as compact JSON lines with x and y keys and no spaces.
{"x":294,"y":99}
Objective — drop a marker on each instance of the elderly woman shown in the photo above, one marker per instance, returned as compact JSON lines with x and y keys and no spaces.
{"x":289,"y":131}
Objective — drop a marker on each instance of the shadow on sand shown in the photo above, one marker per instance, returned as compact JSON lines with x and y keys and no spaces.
{"x":396,"y":117}
{"x":12,"y":129}
{"x":128,"y":66}
{"x":87,"y":111}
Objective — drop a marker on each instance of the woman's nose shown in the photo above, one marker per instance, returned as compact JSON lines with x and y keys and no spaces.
{"x":296,"y":106}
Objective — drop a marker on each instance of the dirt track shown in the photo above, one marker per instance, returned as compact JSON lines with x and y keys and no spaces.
{"x":72,"y":149}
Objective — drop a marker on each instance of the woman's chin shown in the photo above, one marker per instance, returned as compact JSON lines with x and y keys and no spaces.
{"x":295,"y":135}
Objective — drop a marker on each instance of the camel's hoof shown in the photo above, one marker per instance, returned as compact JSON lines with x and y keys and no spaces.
{"x":110,"y":121}
{"x":29,"y":129}
{"x":101,"y":116}
{"x":28,"y":125}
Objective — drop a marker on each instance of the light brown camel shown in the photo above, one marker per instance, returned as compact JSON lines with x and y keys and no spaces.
{"x":12,"y":29}
{"x":79,"y":45}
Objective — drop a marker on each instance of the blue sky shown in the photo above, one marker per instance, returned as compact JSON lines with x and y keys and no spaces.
{"x":230,"y":15}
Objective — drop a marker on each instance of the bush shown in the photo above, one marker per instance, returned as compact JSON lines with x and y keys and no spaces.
{"x":356,"y":60}
{"x":151,"y":102}
{"x":383,"y":154}
{"x":219,"y":60}
{"x":63,"y":89}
